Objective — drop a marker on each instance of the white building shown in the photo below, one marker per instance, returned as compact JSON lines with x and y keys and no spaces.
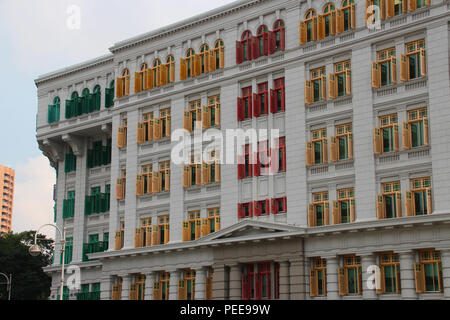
{"x":372,"y":188}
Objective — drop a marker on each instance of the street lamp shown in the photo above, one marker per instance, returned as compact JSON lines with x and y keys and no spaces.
{"x":8,"y":284}
{"x":35,"y":250}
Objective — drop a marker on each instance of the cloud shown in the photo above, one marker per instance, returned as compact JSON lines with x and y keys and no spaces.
{"x":33,"y":196}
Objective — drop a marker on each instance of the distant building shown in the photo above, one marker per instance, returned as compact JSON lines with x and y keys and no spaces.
{"x":6,"y":198}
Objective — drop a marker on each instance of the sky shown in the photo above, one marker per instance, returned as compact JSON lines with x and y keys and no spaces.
{"x":41,"y":36}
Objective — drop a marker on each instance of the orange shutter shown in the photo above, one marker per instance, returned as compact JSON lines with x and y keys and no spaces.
{"x":375,"y":75}
{"x":206,"y":118}
{"x":380,"y":207}
{"x":396,"y":141}
{"x":198,"y":174}
{"x":426,"y":139}
{"x":333,"y":23}
{"x":326,"y":213}
{"x":398,"y":203}
{"x":211,"y":57}
{"x":168,"y":126}
{"x":311,"y":216}
{"x":429,"y":201}
{"x":352,"y":17}
{"x":217,"y":171}
{"x":334,"y":149}
{"x":186,"y":181}
{"x":186,"y":231}
{"x":406,"y":141}
{"x":150,"y":129}
{"x":148,"y":236}
{"x":127,"y":86}
{"x":117,"y":240}
{"x":331,"y":86}
{"x":404,"y":72}
{"x":409,"y":205}
{"x":156,"y":129}
{"x":313,"y":284}
{"x":342,"y":279}
{"x":167,"y":181}
{"x":383,"y":9}
{"x":302,"y":32}
{"x":321,"y":27}
{"x":352,"y":210}
{"x":324,"y":87}
{"x":377,"y":141}
{"x":412,"y":5}
{"x":419,"y":276}
{"x":156,"y":239}
{"x":339,"y":21}
{"x":137,"y":82}
{"x":348,"y":82}
{"x":325,"y":150}
{"x":350,"y":146}
{"x":119,"y":189}
{"x":314,"y":31}
{"x":309,"y":154}
{"x":423,"y":62}
{"x":222,"y":57}
{"x":140,"y":133}
{"x":187,"y":120}
{"x":335,"y":212}
{"x":139,"y":185}
{"x":217,"y":115}
{"x":391,"y":8}
{"x":120,"y":137}
{"x":205,"y":227}
{"x":119,"y":87}
{"x":183,"y":69}
{"x":308,"y":92}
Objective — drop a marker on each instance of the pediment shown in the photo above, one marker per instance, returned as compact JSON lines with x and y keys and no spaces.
{"x":250,"y":229}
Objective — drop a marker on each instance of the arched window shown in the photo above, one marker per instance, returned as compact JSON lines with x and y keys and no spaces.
{"x":125,"y":72}
{"x":263,"y":41}
{"x":74,"y":95}
{"x":53,"y":110}
{"x":219,"y":54}
{"x":204,"y":55}
{"x":73,"y":105}
{"x":348,"y":14}
{"x":86,"y":102}
{"x":246,"y":45}
{"x":96,"y":97}
{"x":123,"y":83}
{"x":327,"y":22}
{"x":109,"y":95}
{"x":311,"y":25}
{"x":278,"y":30}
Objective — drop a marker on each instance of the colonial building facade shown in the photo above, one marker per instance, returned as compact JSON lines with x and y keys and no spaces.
{"x":358,"y":180}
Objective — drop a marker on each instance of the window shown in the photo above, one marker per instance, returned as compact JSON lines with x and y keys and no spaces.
{"x":257,"y":281}
{"x":418,"y":200}
{"x":137,"y":288}
{"x":119,"y":237}
{"x":386,"y":137}
{"x":261,"y":100}
{"x":308,"y":27}
{"x":262,"y":38}
{"x":384,"y":70}
{"x":318,"y":278}
{"x":123,"y":84}
{"x":99,"y":155}
{"x":212,"y":223}
{"x":390,"y":273}
{"x":192,"y":228}
{"x":70,"y":162}
{"x":346,"y":16}
{"x":244,"y":104}
{"x":263,"y":161}
{"x":280,"y":152}
{"x":415,"y":131}
{"x":122,"y":134}
{"x":279,"y":205}
{"x":109,"y":95}
{"x":344,"y":206}
{"x":413,"y":63}
{"x":277,"y":96}
{"x":186,"y":286}
{"x":97,"y":202}
{"x":202,"y":173}
{"x":116,"y":290}
{"x":170,"y":69}
{"x":164,"y":176}
{"x":317,"y":148}
{"x":141,"y":78}
{"x":244,"y":47}
{"x":428,"y":272}
{"x":69,"y":205}
{"x":189,"y":66}
{"x":93,"y":246}
{"x":68,"y":249}
{"x":316,"y":87}
{"x":54,"y":110}
{"x":350,"y":276}
{"x":192,"y":118}
{"x":417,"y":4}
{"x":161,"y":287}
{"x":213,"y":111}
{"x":152,"y":128}
{"x":318,"y":210}
{"x":261,"y":208}
{"x":340,"y":83}
{"x":342,"y":144}
{"x":204,"y":58}
{"x":245,"y":210}
{"x":389,"y":203}
{"x":217,"y":56}
{"x":327,"y":21}
{"x":279,"y":31}
{"x":245,"y":163}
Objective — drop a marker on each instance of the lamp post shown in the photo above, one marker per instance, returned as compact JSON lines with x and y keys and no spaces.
{"x":36,"y":250}
{"x":8,"y":284}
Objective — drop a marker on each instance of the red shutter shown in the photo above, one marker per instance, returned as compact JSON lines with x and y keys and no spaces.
{"x":273,"y":101}
{"x":238,"y":52}
{"x":283,"y":158}
{"x":257,"y":207}
{"x":257,"y":106}
{"x":267,"y":206}
{"x":254,"y":52}
{"x":250,"y":106}
{"x":283,"y":103}
{"x":250,"y":209}
{"x":282,"y":39}
{"x":258,"y":287}
{"x":272,"y":42}
{"x":240,"y":211}
{"x":240,"y":109}
{"x":241,"y":171}
{"x":245,"y":287}
{"x":257,"y":165}
{"x":266,"y":101}
{"x":266,"y":42}
{"x":284,"y":204}
{"x":274,"y":206}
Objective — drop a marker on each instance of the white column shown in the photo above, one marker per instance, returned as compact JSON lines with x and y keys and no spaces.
{"x":200,"y":282}
{"x":105,"y":287}
{"x":235,"y":282}
{"x":407,"y":279}
{"x":80,"y":194}
{"x":366,"y":261}
{"x":126,"y":281}
{"x":332,"y":278}
{"x":173,"y":284}
{"x":284,"y":280}
{"x":149,"y":279}
{"x":115,"y":173}
{"x":445,"y":259}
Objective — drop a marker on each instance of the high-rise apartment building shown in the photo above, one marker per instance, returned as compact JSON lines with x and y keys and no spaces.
{"x":6,"y":198}
{"x":358,"y":177}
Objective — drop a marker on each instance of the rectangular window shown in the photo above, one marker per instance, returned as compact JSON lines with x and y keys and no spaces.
{"x":318,"y":84}
{"x":245,"y":210}
{"x":390,"y":273}
{"x":318,"y":278}
{"x":385,"y":61}
{"x":418,"y":127}
{"x":319,"y":146}
{"x":421,"y":196}
{"x":164,"y":228}
{"x":346,"y":198}
{"x":353,"y":275}
{"x":318,"y":212}
{"x":277,"y":96}
{"x":342,"y":73}
{"x":247,"y":102}
{"x":164,"y":176}
{"x":428,"y":272}
{"x":391,"y":200}
{"x":214,"y":110}
{"x":415,"y":59}
{"x":389,"y":133}
{"x":344,"y":141}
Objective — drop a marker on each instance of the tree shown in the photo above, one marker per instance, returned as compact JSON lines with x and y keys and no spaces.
{"x":29,"y":282}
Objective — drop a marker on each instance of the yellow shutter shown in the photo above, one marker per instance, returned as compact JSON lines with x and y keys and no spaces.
{"x":210,"y":56}
{"x":429,"y":201}
{"x":406,"y":141}
{"x":393,"y":63}
{"x":119,"y":87}
{"x":339,"y":21}
{"x":377,"y":141}
{"x":311,"y":216}
{"x":398,"y":203}
{"x":140,"y":133}
{"x":313,"y":284}
{"x":197,"y":65}
{"x":217,"y":171}
{"x":137,"y":233}
{"x":217,"y":114}
{"x":222,"y":57}
{"x":423,"y":62}
{"x":156,"y":240}
{"x":314,"y":26}
{"x":396,"y":141}
{"x":333,"y":149}
{"x":350,"y":146}
{"x":382,"y":289}
{"x":186,"y":181}
{"x":375,"y":75}
{"x":172,"y":72}
{"x":342,"y":280}
{"x":380,"y":207}
{"x":148,"y":236}
{"x":426,"y":139}
{"x":167,"y":181}
{"x":117,"y":240}
{"x":217,"y":223}
{"x":168,"y":126}
{"x":119,"y":189}
{"x":205,"y":176}
{"x":333,"y":23}
{"x":409,"y":205}
{"x":183,"y":69}
{"x":150,"y":129}
{"x":412,"y":5}
{"x":335,"y":212}
{"x":302,"y":32}
{"x":325,"y":151}
{"x":308,"y":93}
{"x":331,"y":86}
{"x":155,"y":182}
{"x":309,"y":154}
{"x":348,"y":82}
{"x":146,"y":77}
{"x":186,"y":231}
{"x":326,"y":213}
{"x":383,"y":9}
{"x":149,"y":183}
{"x":404,"y":72}
{"x":419,"y":276}
{"x":198,"y":228}
{"x":391,"y":8}
{"x":206,"y":117}
{"x":182,"y":292}
{"x":205,"y":227}
{"x":121,"y":137}
{"x":187,"y":120}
